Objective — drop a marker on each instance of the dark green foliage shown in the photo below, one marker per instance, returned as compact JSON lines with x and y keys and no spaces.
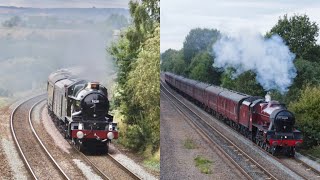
{"x":172,"y":61}
{"x":308,"y":73}
{"x":194,"y":60}
{"x":137,"y":56}
{"x":201,"y":69}
{"x":198,"y":40}
{"x":298,"y":32}
{"x":307,"y":112}
{"x":245,"y":83}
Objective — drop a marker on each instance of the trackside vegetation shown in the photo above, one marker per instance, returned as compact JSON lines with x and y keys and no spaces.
{"x":137,"y":95}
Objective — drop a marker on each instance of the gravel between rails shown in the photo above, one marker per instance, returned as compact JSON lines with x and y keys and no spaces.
{"x":8,"y":159}
{"x":262,"y":157}
{"x":38,"y":160}
{"x":177,"y":162}
{"x":11,"y":166}
{"x":65,"y":160}
{"x":300,"y":168}
{"x":109,"y":167}
{"x":307,"y":160}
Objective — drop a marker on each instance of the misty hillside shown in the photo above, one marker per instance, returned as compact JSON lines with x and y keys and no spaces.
{"x":35,"y":42}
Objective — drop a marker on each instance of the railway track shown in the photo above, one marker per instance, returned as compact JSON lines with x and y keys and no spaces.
{"x":300,"y":168}
{"x":114,"y":170}
{"x":128,"y":171}
{"x":36,"y":157}
{"x":243,"y":162}
{"x":94,"y":162}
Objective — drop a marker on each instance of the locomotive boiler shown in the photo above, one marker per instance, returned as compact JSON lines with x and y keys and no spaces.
{"x":267,"y":123}
{"x":80,"y":109}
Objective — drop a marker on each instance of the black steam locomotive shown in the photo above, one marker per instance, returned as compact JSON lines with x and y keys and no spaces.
{"x":80,"y":109}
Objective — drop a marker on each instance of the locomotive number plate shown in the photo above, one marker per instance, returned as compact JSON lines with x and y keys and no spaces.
{"x":95,"y":101}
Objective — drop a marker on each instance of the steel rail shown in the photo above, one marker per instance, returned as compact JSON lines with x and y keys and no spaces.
{"x":25,"y":161}
{"x":132,"y":174}
{"x":221,"y":135}
{"x":42,"y":145}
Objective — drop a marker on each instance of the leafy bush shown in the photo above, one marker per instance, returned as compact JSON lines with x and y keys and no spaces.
{"x":307,"y":112}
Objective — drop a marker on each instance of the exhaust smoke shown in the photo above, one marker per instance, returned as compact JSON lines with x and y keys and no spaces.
{"x":269,"y":58}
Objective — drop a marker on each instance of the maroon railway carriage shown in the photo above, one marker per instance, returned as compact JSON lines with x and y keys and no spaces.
{"x":200,"y":93}
{"x":212,"y":96}
{"x":269,"y":124}
{"x":190,"y":87}
{"x":169,"y":78}
{"x":229,"y":103}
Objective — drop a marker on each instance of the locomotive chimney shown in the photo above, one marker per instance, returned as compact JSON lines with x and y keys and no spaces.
{"x":268,"y":97}
{"x":94,"y":85}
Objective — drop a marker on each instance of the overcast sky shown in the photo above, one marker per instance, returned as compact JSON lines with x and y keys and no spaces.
{"x":66,"y":3}
{"x":178,"y":17}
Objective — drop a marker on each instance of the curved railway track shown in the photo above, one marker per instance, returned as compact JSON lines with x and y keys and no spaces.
{"x":36,"y":157}
{"x":243,"y":162}
{"x":93,"y":161}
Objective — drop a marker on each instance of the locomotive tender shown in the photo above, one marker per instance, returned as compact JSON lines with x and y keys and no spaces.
{"x":267,"y":123}
{"x":80,"y":109}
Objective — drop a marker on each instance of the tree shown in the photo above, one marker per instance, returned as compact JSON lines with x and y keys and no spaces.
{"x":307,"y":112}
{"x":167,"y":59}
{"x":198,"y":40}
{"x":144,"y":82}
{"x":298,"y":32}
{"x":135,"y":54}
{"x":201,"y":69}
{"x":308,"y":73}
{"x":172,"y":61}
{"x":245,"y":83}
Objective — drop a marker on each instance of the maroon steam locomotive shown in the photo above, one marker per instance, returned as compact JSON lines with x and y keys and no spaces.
{"x":268,"y":123}
{"x":80,"y":109}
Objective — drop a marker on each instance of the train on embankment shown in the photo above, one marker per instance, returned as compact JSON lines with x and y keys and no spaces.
{"x":267,"y":123}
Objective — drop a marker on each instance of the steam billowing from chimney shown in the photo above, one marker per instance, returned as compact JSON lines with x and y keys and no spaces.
{"x":268,"y":97}
{"x":270,"y":59}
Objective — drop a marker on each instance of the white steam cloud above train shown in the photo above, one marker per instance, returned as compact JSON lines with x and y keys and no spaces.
{"x":269,"y":58}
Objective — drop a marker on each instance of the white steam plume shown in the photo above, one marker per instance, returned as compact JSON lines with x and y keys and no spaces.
{"x":270,"y":59}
